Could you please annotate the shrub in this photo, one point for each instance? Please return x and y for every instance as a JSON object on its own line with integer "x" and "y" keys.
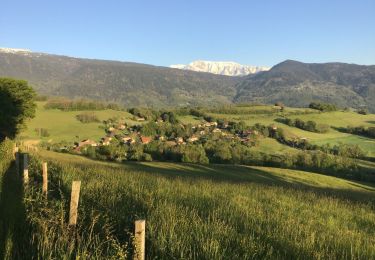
{"x": 87, "y": 118}
{"x": 362, "y": 111}
{"x": 42, "y": 132}
{"x": 326, "y": 107}
{"x": 310, "y": 125}
{"x": 82, "y": 104}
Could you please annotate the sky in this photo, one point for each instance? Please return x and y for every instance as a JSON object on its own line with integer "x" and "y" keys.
{"x": 173, "y": 32}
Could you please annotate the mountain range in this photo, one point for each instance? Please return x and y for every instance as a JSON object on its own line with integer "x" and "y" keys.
{"x": 132, "y": 84}
{"x": 227, "y": 68}
{"x": 296, "y": 84}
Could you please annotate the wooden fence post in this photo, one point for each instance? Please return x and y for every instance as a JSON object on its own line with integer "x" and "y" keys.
{"x": 45, "y": 179}
{"x": 25, "y": 168}
{"x": 140, "y": 240}
{"x": 15, "y": 151}
{"x": 74, "y": 198}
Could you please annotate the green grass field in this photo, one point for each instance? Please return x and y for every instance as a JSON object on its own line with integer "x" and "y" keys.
{"x": 64, "y": 126}
{"x": 192, "y": 211}
{"x": 333, "y": 119}
{"x": 216, "y": 211}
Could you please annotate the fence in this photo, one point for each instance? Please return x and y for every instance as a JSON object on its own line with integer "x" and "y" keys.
{"x": 139, "y": 225}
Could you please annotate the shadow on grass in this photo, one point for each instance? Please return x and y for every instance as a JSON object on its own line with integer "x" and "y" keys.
{"x": 230, "y": 174}
{"x": 237, "y": 174}
{"x": 14, "y": 239}
{"x": 128, "y": 207}
{"x": 247, "y": 174}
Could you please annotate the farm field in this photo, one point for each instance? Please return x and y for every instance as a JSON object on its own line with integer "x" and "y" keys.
{"x": 220, "y": 211}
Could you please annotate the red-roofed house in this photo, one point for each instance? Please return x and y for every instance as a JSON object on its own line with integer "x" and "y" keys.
{"x": 145, "y": 139}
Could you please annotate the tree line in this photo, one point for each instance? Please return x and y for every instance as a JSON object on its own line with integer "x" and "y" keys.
{"x": 81, "y": 104}
{"x": 310, "y": 125}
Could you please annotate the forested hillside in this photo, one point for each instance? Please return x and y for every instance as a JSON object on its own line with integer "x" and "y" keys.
{"x": 297, "y": 84}
{"x": 133, "y": 84}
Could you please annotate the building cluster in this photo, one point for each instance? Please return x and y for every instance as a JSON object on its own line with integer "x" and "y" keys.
{"x": 130, "y": 135}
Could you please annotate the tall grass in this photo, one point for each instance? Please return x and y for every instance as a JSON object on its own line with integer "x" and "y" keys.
{"x": 5, "y": 157}
{"x": 52, "y": 237}
{"x": 190, "y": 215}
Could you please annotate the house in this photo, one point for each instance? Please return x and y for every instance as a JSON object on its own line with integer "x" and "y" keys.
{"x": 208, "y": 124}
{"x": 224, "y": 125}
{"x": 216, "y": 130}
{"x": 121, "y": 127}
{"x": 179, "y": 140}
{"x": 106, "y": 140}
{"x": 145, "y": 139}
{"x": 161, "y": 138}
{"x": 128, "y": 140}
{"x": 274, "y": 127}
{"x": 111, "y": 129}
{"x": 192, "y": 139}
{"x": 108, "y": 137}
{"x": 141, "y": 119}
{"x": 87, "y": 142}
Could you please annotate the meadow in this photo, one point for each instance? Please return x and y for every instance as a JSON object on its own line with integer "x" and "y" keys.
{"x": 192, "y": 211}
{"x": 200, "y": 211}
{"x": 334, "y": 119}
{"x": 63, "y": 125}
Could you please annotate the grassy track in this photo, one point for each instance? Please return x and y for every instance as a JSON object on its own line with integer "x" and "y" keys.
{"x": 226, "y": 212}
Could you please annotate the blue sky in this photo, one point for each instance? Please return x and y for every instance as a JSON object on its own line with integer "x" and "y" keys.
{"x": 170, "y": 32}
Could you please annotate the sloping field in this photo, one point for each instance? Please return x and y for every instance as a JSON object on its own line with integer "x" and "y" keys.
{"x": 225, "y": 212}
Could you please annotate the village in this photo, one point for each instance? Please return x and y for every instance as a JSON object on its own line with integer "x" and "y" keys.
{"x": 120, "y": 132}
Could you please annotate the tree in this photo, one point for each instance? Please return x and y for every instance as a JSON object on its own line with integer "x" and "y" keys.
{"x": 16, "y": 106}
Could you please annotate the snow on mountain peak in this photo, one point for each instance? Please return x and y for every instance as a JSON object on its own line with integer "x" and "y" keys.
{"x": 228, "y": 68}
{"x": 12, "y": 50}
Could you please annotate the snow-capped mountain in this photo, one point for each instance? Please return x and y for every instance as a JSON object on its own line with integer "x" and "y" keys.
{"x": 24, "y": 52}
{"x": 227, "y": 68}
{"x": 12, "y": 50}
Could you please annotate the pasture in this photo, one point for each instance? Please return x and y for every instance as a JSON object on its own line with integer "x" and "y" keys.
{"x": 212, "y": 212}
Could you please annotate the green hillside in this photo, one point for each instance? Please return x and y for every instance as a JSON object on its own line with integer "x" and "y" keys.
{"x": 333, "y": 119}
{"x": 192, "y": 211}
{"x": 133, "y": 84}
{"x": 127, "y": 83}
{"x": 63, "y": 125}
{"x": 205, "y": 212}
{"x": 297, "y": 84}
